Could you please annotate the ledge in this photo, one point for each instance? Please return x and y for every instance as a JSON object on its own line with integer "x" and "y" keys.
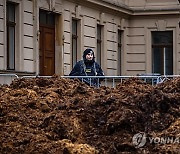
{"x": 19, "y": 73}
{"x": 126, "y": 10}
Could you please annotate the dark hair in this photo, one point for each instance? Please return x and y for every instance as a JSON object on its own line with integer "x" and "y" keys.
{"x": 88, "y": 50}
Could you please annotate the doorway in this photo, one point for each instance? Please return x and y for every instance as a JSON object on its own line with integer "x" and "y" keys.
{"x": 46, "y": 43}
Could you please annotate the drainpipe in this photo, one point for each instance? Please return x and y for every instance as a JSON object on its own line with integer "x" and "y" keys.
{"x": 36, "y": 37}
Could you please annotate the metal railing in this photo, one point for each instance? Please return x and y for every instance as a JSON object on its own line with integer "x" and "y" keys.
{"x": 110, "y": 81}
{"x": 7, "y": 78}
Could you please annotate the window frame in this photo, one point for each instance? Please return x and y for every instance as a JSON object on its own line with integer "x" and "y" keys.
{"x": 162, "y": 47}
{"x": 119, "y": 46}
{"x": 74, "y": 41}
{"x": 48, "y": 16}
{"x": 13, "y": 25}
{"x": 99, "y": 43}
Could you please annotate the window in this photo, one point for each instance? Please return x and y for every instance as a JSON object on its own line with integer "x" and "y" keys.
{"x": 99, "y": 43}
{"x": 162, "y": 52}
{"x": 11, "y": 36}
{"x": 46, "y": 18}
{"x": 119, "y": 51}
{"x": 74, "y": 41}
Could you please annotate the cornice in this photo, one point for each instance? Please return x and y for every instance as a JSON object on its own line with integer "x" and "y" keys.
{"x": 120, "y": 8}
{"x": 157, "y": 11}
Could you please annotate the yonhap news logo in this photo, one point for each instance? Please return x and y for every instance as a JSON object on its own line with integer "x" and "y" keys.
{"x": 140, "y": 139}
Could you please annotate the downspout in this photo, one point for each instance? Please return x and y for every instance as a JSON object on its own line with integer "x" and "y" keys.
{"x": 36, "y": 37}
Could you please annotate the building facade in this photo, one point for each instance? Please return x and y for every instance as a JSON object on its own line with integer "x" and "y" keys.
{"x": 46, "y": 37}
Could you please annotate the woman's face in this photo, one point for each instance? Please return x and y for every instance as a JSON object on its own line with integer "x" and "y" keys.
{"x": 89, "y": 56}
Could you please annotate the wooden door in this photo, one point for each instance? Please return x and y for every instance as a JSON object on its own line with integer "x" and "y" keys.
{"x": 46, "y": 51}
{"x": 46, "y": 43}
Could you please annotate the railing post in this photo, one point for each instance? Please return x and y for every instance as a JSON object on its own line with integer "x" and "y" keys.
{"x": 113, "y": 83}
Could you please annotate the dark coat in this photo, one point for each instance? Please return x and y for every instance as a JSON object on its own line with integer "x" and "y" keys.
{"x": 88, "y": 69}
